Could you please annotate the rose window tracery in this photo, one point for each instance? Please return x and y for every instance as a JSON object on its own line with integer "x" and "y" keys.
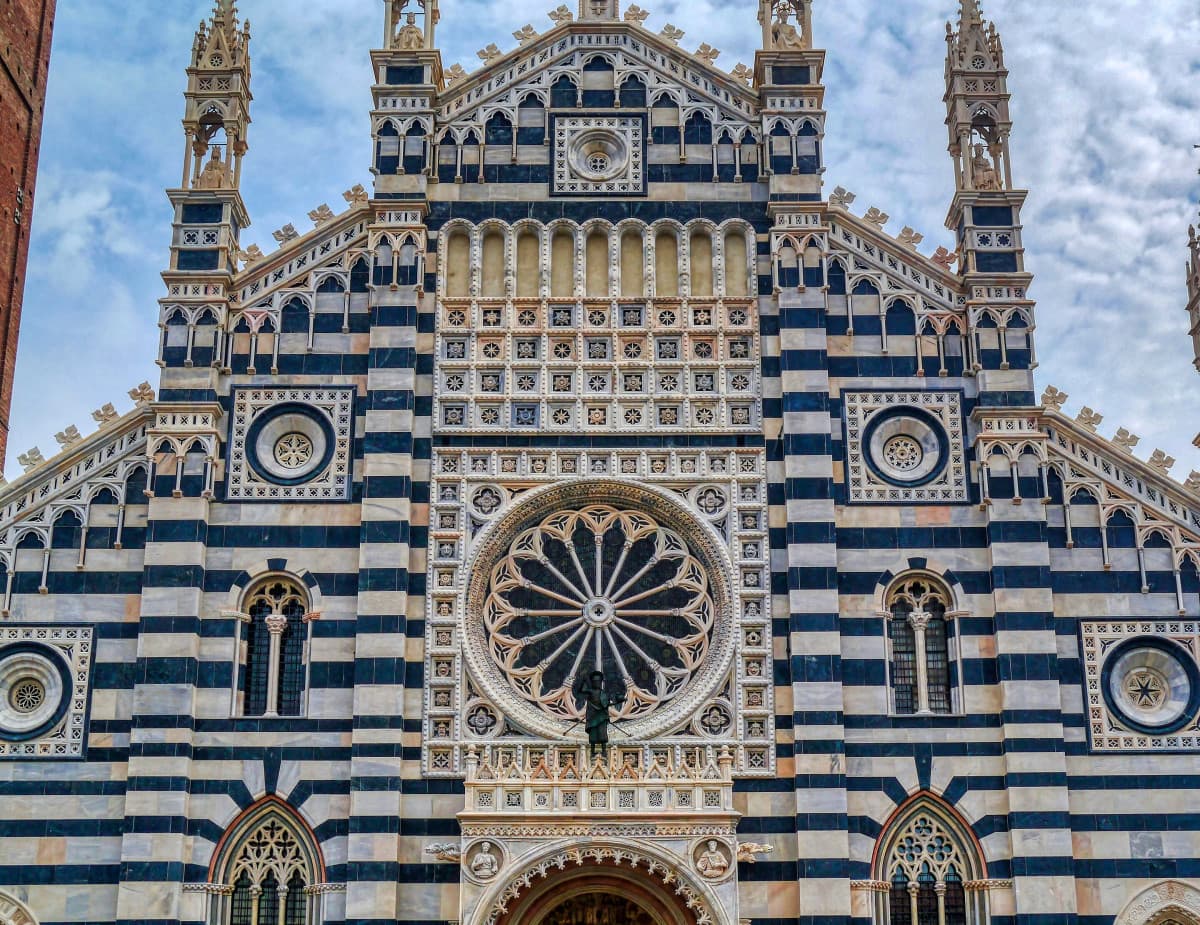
{"x": 601, "y": 588}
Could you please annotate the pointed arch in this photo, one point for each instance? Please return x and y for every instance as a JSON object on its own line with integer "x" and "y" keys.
{"x": 927, "y": 854}
{"x": 271, "y": 858}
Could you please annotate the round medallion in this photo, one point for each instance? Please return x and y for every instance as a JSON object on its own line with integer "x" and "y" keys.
{"x": 903, "y": 453}
{"x": 26, "y": 696}
{"x": 598, "y": 155}
{"x": 34, "y": 689}
{"x": 290, "y": 444}
{"x": 905, "y": 447}
{"x": 570, "y": 588}
{"x": 1151, "y": 685}
{"x": 293, "y": 451}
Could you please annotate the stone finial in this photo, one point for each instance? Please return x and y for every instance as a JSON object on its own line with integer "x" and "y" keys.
{"x": 448, "y": 852}
{"x": 841, "y": 198}
{"x": 68, "y": 437}
{"x": 1125, "y": 440}
{"x": 455, "y": 74}
{"x": 251, "y": 255}
{"x": 31, "y": 460}
{"x": 910, "y": 238}
{"x": 142, "y": 394}
{"x": 526, "y": 34}
{"x": 742, "y": 72}
{"x": 876, "y": 217}
{"x": 635, "y": 14}
{"x": 944, "y": 258}
{"x": 671, "y": 34}
{"x": 1088, "y": 419}
{"x": 707, "y": 53}
{"x": 1193, "y": 481}
{"x": 1161, "y": 462}
{"x": 356, "y": 195}
{"x": 321, "y": 215}
{"x": 1053, "y": 399}
{"x": 105, "y": 414}
{"x": 561, "y": 15}
{"x": 489, "y": 54}
{"x": 286, "y": 233}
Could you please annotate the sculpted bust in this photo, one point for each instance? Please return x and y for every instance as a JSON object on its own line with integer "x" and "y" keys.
{"x": 484, "y": 865}
{"x": 712, "y": 863}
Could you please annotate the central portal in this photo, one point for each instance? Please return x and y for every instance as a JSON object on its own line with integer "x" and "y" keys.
{"x": 593, "y": 896}
{"x": 598, "y": 909}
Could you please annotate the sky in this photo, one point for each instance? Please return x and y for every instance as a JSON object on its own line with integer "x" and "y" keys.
{"x": 1106, "y": 109}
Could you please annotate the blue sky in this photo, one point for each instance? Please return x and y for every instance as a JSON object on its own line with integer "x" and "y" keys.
{"x": 1107, "y": 109}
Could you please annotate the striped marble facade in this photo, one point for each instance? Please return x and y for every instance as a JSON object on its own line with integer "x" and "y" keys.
{"x": 837, "y": 412}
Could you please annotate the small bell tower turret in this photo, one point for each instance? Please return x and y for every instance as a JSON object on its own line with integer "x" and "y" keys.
{"x": 985, "y": 214}
{"x": 209, "y": 213}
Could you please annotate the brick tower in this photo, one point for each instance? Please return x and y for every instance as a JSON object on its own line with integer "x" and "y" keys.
{"x": 25, "y": 30}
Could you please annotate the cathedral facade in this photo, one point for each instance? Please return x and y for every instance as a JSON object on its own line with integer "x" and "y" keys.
{"x": 599, "y": 522}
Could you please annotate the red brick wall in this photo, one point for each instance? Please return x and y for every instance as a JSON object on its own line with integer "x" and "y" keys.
{"x": 25, "y": 30}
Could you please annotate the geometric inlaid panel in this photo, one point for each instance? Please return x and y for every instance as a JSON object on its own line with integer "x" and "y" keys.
{"x": 1142, "y": 683}
{"x": 905, "y": 447}
{"x": 291, "y": 444}
{"x": 44, "y": 690}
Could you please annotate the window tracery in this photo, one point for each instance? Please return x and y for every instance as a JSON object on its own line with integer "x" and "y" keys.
{"x": 599, "y": 589}
{"x": 919, "y": 635}
{"x": 932, "y": 871}
{"x": 269, "y": 874}
{"x": 276, "y": 632}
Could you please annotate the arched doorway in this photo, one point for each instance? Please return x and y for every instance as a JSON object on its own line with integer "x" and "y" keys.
{"x": 599, "y": 895}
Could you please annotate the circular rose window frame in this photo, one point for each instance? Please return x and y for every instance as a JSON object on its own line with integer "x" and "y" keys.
{"x": 705, "y": 544}
{"x": 598, "y": 141}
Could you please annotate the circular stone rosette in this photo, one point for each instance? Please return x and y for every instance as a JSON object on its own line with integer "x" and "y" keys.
{"x": 905, "y": 447}
{"x": 1151, "y": 685}
{"x": 598, "y": 155}
{"x": 290, "y": 444}
{"x": 35, "y": 687}
{"x": 599, "y": 575}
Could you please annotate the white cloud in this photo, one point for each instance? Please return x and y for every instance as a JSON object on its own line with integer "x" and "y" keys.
{"x": 1105, "y": 109}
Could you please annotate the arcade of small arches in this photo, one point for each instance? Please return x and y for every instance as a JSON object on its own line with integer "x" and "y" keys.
{"x": 869, "y": 304}
{"x": 630, "y": 260}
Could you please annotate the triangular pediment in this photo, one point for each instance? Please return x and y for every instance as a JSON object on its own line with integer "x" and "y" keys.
{"x": 661, "y": 64}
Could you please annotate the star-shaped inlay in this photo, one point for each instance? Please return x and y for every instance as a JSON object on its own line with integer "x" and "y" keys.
{"x": 1145, "y": 689}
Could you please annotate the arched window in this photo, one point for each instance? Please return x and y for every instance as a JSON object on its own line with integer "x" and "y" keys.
{"x": 919, "y": 635}
{"x": 273, "y": 678}
{"x": 927, "y": 856}
{"x": 270, "y": 861}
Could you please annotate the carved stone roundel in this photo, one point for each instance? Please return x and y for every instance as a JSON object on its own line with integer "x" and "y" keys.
{"x": 605, "y": 577}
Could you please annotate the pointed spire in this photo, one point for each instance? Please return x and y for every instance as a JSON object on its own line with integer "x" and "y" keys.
{"x": 969, "y": 14}
{"x": 598, "y": 10}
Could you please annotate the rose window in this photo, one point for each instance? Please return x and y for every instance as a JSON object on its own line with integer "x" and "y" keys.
{"x": 903, "y": 453}
{"x": 598, "y": 589}
{"x": 293, "y": 451}
{"x": 26, "y": 696}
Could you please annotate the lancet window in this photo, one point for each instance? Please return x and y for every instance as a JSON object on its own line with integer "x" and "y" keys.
{"x": 267, "y": 873}
{"x": 920, "y": 633}
{"x": 932, "y": 870}
{"x": 274, "y": 636}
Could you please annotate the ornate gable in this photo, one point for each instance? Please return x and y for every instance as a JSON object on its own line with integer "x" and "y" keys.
{"x": 691, "y": 82}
